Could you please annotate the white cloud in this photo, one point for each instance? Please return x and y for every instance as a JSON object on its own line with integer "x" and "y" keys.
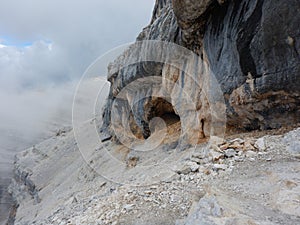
{"x": 79, "y": 31}
{"x": 65, "y": 36}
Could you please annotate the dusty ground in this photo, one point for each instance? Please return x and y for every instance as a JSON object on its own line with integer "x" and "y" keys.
{"x": 249, "y": 180}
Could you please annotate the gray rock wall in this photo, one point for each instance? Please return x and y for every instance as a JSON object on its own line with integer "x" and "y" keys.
{"x": 253, "y": 51}
{"x": 251, "y": 46}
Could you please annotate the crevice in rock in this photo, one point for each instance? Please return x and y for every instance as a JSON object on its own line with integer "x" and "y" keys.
{"x": 245, "y": 36}
{"x": 202, "y": 128}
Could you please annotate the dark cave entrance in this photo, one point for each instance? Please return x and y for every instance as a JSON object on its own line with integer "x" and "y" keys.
{"x": 161, "y": 108}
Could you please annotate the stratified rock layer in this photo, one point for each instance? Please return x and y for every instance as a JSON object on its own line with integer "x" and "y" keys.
{"x": 251, "y": 47}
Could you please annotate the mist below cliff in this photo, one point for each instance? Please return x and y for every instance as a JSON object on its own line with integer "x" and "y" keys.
{"x": 27, "y": 118}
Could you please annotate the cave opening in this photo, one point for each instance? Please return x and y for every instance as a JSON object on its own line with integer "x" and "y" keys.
{"x": 156, "y": 112}
{"x": 163, "y": 109}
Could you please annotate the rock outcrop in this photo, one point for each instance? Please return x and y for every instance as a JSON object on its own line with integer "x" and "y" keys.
{"x": 251, "y": 47}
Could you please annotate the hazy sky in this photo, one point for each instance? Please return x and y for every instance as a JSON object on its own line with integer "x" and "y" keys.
{"x": 55, "y": 40}
{"x": 44, "y": 44}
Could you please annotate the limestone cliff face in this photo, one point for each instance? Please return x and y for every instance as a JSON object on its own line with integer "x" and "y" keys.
{"x": 251, "y": 46}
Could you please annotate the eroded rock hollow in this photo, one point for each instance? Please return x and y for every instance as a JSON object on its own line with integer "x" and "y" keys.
{"x": 251, "y": 46}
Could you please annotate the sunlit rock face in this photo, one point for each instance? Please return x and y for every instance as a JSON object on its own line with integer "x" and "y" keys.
{"x": 251, "y": 47}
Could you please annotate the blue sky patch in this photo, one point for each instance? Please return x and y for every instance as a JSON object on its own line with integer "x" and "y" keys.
{"x": 14, "y": 42}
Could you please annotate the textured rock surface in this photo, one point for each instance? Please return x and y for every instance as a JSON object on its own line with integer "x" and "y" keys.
{"x": 252, "y": 47}
{"x": 53, "y": 185}
{"x": 258, "y": 67}
{"x": 293, "y": 146}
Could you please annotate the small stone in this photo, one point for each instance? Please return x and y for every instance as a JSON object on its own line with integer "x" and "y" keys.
{"x": 250, "y": 154}
{"x": 148, "y": 192}
{"x": 128, "y": 207}
{"x": 199, "y": 155}
{"x": 216, "y": 155}
{"x": 175, "y": 198}
{"x": 260, "y": 144}
{"x": 196, "y": 160}
{"x": 237, "y": 140}
{"x": 261, "y": 153}
{"x": 193, "y": 166}
{"x": 238, "y": 159}
{"x": 184, "y": 170}
{"x": 132, "y": 160}
{"x": 236, "y": 145}
{"x": 290, "y": 41}
{"x": 269, "y": 159}
{"x": 206, "y": 171}
{"x": 163, "y": 206}
{"x": 224, "y": 146}
{"x": 230, "y": 153}
{"x": 248, "y": 145}
{"x": 218, "y": 167}
{"x": 215, "y": 148}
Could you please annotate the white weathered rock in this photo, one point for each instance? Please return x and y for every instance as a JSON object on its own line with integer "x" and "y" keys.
{"x": 193, "y": 166}
{"x": 128, "y": 207}
{"x": 237, "y": 140}
{"x": 218, "y": 167}
{"x": 230, "y": 152}
{"x": 238, "y": 159}
{"x": 251, "y": 154}
{"x": 260, "y": 144}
